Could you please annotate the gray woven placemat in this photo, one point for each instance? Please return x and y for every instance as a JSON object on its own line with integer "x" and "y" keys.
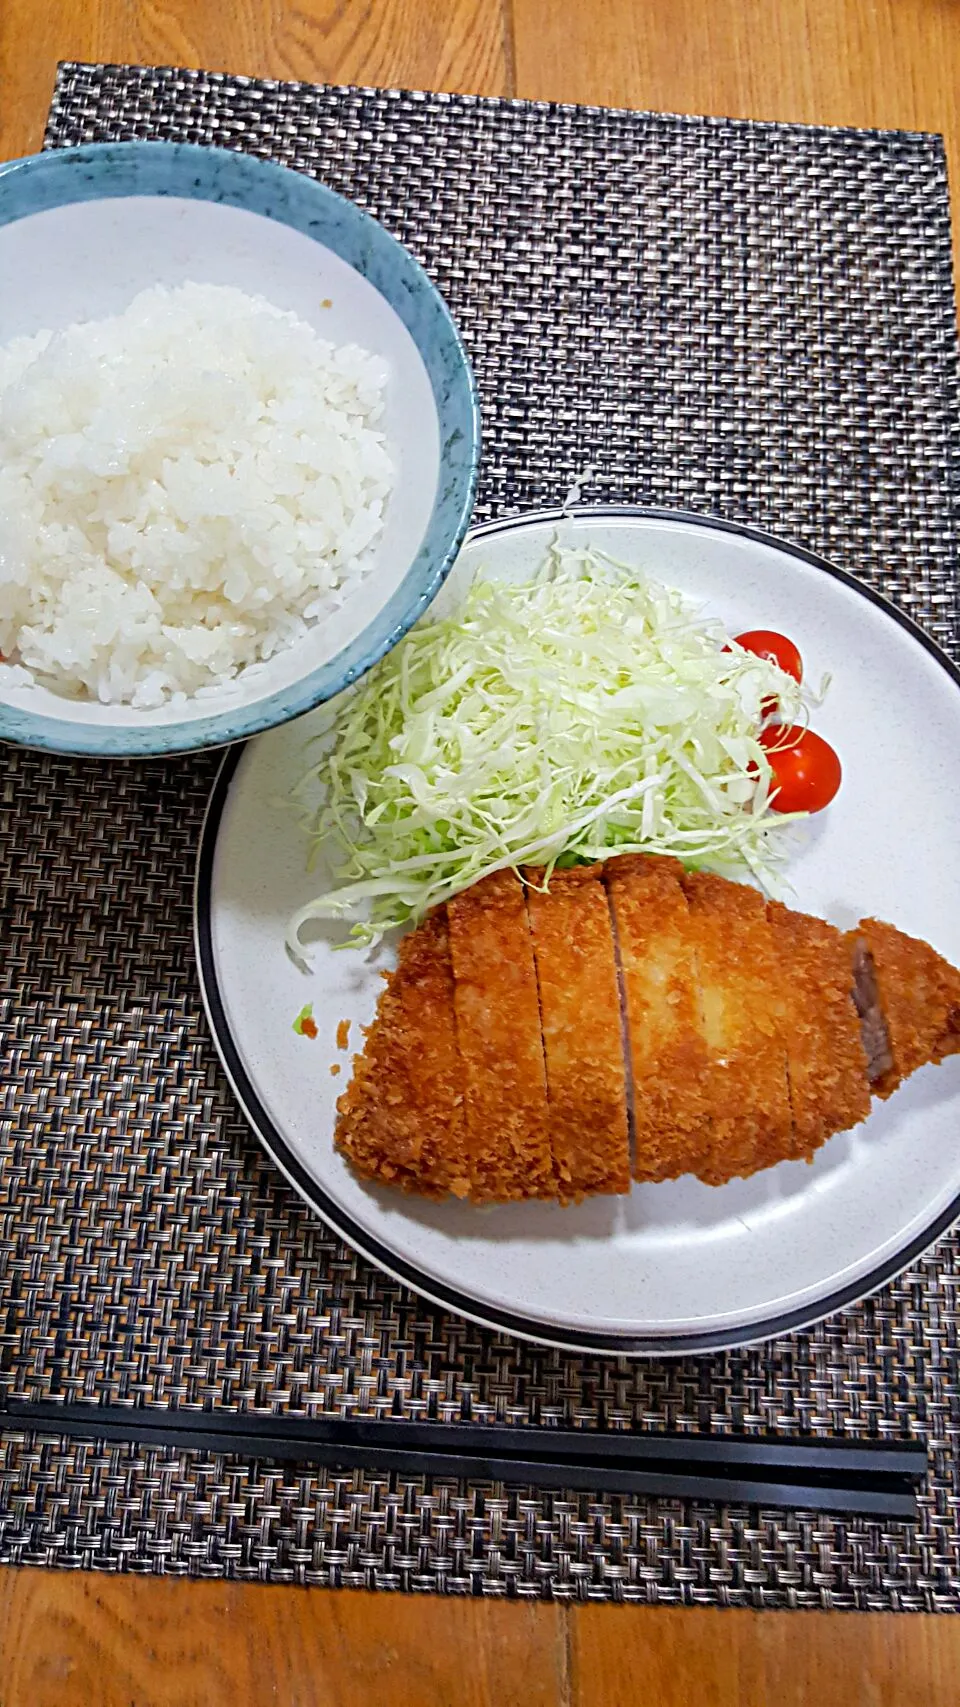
{"x": 753, "y": 320}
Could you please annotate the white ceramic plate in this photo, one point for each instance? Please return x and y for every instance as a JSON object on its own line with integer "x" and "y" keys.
{"x": 679, "y": 1266}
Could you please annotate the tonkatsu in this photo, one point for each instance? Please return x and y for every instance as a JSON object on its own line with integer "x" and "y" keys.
{"x": 664, "y": 1040}
{"x": 556, "y": 1039}
{"x": 580, "y": 1019}
{"x": 497, "y": 1016}
{"x": 401, "y": 1118}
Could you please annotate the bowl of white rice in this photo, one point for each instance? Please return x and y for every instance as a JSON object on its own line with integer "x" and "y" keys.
{"x": 239, "y": 442}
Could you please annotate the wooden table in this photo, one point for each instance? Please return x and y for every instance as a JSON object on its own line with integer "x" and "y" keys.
{"x": 96, "y": 1641}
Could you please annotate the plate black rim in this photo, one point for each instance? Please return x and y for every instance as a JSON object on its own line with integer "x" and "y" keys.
{"x": 448, "y": 1297}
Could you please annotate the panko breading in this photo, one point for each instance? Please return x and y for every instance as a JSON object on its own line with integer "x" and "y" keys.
{"x": 826, "y": 1060}
{"x": 919, "y": 994}
{"x": 580, "y": 1015}
{"x": 746, "y": 1077}
{"x": 401, "y": 1117}
{"x": 522, "y": 1031}
{"x": 667, "y": 1048}
{"x": 501, "y": 1046}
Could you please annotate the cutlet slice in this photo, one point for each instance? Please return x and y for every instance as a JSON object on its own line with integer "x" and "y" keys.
{"x": 826, "y": 1060}
{"x": 916, "y": 992}
{"x": 401, "y": 1118}
{"x": 747, "y": 1066}
{"x": 666, "y": 1048}
{"x": 580, "y": 1015}
{"x": 498, "y": 1027}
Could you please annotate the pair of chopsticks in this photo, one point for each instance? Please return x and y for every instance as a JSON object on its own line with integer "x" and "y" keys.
{"x": 866, "y": 1478}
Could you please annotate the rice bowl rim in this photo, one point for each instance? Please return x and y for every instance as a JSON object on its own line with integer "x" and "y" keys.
{"x": 191, "y": 171}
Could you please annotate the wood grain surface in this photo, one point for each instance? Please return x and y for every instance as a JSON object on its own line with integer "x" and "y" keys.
{"x": 87, "y": 1641}
{"x": 460, "y": 45}
{"x": 72, "y": 1640}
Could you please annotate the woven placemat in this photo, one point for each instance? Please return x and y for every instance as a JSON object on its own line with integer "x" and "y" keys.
{"x": 752, "y": 320}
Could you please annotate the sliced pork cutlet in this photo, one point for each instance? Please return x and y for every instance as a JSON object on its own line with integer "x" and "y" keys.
{"x": 909, "y": 999}
{"x": 580, "y": 1016}
{"x": 665, "y": 1043}
{"x": 826, "y": 1060}
{"x": 746, "y": 1077}
{"x": 501, "y": 1047}
{"x": 401, "y": 1118}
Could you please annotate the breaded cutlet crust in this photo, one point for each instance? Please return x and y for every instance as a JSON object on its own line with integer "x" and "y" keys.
{"x": 498, "y": 1027}
{"x": 668, "y": 1056}
{"x": 920, "y": 996}
{"x": 580, "y": 1015}
{"x": 401, "y": 1118}
{"x": 727, "y": 1000}
{"x": 826, "y": 1060}
{"x": 747, "y": 1072}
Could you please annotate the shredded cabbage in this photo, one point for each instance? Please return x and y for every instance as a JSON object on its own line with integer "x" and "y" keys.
{"x": 589, "y": 712}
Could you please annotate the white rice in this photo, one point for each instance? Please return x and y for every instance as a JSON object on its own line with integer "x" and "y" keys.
{"x": 184, "y": 488}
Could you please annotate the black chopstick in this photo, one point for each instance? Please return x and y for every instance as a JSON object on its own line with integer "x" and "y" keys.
{"x": 869, "y": 1478}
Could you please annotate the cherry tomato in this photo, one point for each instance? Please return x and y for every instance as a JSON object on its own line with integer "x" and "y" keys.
{"x": 776, "y": 648}
{"x": 806, "y": 770}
